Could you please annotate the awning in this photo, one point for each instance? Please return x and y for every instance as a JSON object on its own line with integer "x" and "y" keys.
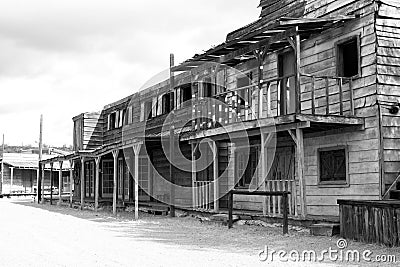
{"x": 273, "y": 34}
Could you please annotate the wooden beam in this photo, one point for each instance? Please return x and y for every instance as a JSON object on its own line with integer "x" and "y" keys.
{"x": 71, "y": 182}
{"x": 60, "y": 183}
{"x": 42, "y": 185}
{"x": 115, "y": 188}
{"x": 264, "y": 170}
{"x": 298, "y": 71}
{"x": 82, "y": 182}
{"x": 51, "y": 183}
{"x": 293, "y": 136}
{"x": 97, "y": 184}
{"x": 194, "y": 174}
{"x": 136, "y": 150}
{"x": 11, "y": 178}
{"x": 171, "y": 140}
{"x": 216, "y": 176}
{"x": 300, "y": 171}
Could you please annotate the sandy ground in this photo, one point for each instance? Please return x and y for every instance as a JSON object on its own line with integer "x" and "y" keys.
{"x": 44, "y": 235}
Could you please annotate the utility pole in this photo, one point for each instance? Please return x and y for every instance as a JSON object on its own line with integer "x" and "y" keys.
{"x": 2, "y": 167}
{"x": 40, "y": 173}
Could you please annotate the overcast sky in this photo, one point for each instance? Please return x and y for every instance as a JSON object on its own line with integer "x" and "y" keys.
{"x": 62, "y": 58}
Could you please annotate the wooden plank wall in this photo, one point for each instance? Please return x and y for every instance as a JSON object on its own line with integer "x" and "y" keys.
{"x": 388, "y": 70}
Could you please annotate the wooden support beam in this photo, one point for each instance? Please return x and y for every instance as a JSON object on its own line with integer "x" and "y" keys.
{"x": 97, "y": 184}
{"x": 82, "y": 182}
{"x": 115, "y": 183}
{"x": 194, "y": 174}
{"x": 38, "y": 183}
{"x": 51, "y": 183}
{"x": 11, "y": 179}
{"x": 264, "y": 170}
{"x": 300, "y": 171}
{"x": 136, "y": 150}
{"x": 216, "y": 176}
{"x": 298, "y": 71}
{"x": 60, "y": 183}
{"x": 71, "y": 182}
{"x": 42, "y": 185}
{"x": 171, "y": 141}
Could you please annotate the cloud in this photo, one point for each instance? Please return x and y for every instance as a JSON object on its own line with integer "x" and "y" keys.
{"x": 62, "y": 58}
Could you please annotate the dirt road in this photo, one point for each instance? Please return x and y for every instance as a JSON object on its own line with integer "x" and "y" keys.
{"x": 33, "y": 235}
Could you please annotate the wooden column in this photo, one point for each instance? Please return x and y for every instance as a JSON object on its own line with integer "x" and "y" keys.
{"x": 298, "y": 88}
{"x": 194, "y": 174}
{"x": 115, "y": 193}
{"x": 60, "y": 183}
{"x": 216, "y": 176}
{"x": 11, "y": 178}
{"x": 300, "y": 170}
{"x": 42, "y": 185}
{"x": 263, "y": 171}
{"x": 171, "y": 140}
{"x": 299, "y": 140}
{"x": 71, "y": 182}
{"x": 38, "y": 180}
{"x": 136, "y": 150}
{"x": 97, "y": 184}
{"x": 82, "y": 182}
{"x": 51, "y": 183}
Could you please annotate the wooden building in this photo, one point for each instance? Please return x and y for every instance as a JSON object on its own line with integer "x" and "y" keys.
{"x": 21, "y": 170}
{"x": 316, "y": 80}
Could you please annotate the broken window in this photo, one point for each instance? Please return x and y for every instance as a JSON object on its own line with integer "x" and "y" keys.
{"x": 166, "y": 100}
{"x": 348, "y": 57}
{"x": 332, "y": 165}
{"x": 247, "y": 162}
{"x": 111, "y": 121}
{"x": 207, "y": 87}
{"x": 186, "y": 94}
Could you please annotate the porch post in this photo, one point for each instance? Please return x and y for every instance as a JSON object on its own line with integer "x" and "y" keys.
{"x": 194, "y": 172}
{"x": 82, "y": 182}
{"x": 97, "y": 185}
{"x": 136, "y": 150}
{"x": 263, "y": 172}
{"x": 71, "y": 181}
{"x": 216, "y": 182}
{"x": 42, "y": 185}
{"x": 51, "y": 183}
{"x": 115, "y": 156}
{"x": 11, "y": 179}
{"x": 298, "y": 89}
{"x": 60, "y": 183}
{"x": 300, "y": 170}
{"x": 38, "y": 183}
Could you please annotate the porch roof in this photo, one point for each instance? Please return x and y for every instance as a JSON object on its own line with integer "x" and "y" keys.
{"x": 310, "y": 123}
{"x": 272, "y": 35}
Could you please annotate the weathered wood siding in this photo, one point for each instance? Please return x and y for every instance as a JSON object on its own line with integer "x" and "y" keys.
{"x": 88, "y": 131}
{"x": 388, "y": 77}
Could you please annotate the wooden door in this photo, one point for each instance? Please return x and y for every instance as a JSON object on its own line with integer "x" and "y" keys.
{"x": 286, "y": 67}
{"x": 283, "y": 166}
{"x": 144, "y": 179}
{"x": 120, "y": 178}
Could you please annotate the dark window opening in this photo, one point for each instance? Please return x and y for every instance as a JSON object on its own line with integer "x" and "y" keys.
{"x": 207, "y": 87}
{"x": 112, "y": 120}
{"x": 332, "y": 165}
{"x": 348, "y": 58}
{"x": 186, "y": 94}
{"x": 166, "y": 100}
{"x": 148, "y": 111}
{"x": 247, "y": 165}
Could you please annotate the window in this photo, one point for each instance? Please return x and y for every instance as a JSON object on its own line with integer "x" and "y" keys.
{"x": 246, "y": 170}
{"x": 112, "y": 121}
{"x": 186, "y": 93}
{"x": 166, "y": 102}
{"x": 108, "y": 178}
{"x": 242, "y": 82}
{"x": 348, "y": 57}
{"x": 146, "y": 111}
{"x": 332, "y": 165}
{"x": 89, "y": 178}
{"x": 207, "y": 87}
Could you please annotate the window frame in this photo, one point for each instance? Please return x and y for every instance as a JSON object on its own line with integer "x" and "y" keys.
{"x": 339, "y": 63}
{"x": 341, "y": 183}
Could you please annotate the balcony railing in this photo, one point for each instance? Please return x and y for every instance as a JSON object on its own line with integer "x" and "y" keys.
{"x": 319, "y": 95}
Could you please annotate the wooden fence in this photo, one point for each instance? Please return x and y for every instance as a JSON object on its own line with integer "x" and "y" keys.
{"x": 203, "y": 197}
{"x": 370, "y": 221}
